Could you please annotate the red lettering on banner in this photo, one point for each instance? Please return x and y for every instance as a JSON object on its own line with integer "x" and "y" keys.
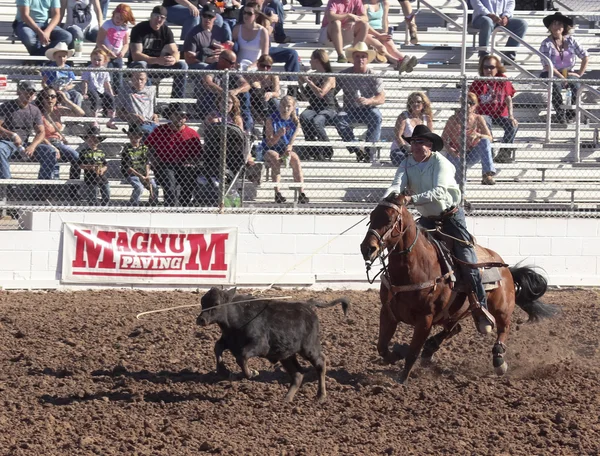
{"x": 151, "y": 263}
{"x": 158, "y": 243}
{"x": 139, "y": 242}
{"x": 86, "y": 245}
{"x": 199, "y": 249}
{"x": 173, "y": 242}
{"x": 123, "y": 242}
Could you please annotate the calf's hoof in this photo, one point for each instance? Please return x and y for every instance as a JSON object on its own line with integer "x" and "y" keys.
{"x": 501, "y": 369}
{"x": 321, "y": 397}
{"x": 253, "y": 373}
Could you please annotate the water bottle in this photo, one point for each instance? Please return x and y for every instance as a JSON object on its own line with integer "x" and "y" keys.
{"x": 569, "y": 96}
{"x": 78, "y": 46}
{"x": 391, "y": 30}
{"x": 286, "y": 160}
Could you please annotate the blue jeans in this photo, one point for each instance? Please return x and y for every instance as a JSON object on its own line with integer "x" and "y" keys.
{"x": 138, "y": 189}
{"x": 456, "y": 226}
{"x": 104, "y": 6}
{"x": 30, "y": 39}
{"x": 179, "y": 79}
{"x": 557, "y": 99}
{"x": 89, "y": 189}
{"x": 313, "y": 124}
{"x": 75, "y": 97}
{"x": 43, "y": 153}
{"x": 180, "y": 15}
{"x": 89, "y": 35}
{"x": 278, "y": 32}
{"x": 368, "y": 115}
{"x": 117, "y": 78}
{"x": 510, "y": 131}
{"x": 486, "y": 25}
{"x": 482, "y": 152}
{"x": 287, "y": 56}
{"x": 67, "y": 153}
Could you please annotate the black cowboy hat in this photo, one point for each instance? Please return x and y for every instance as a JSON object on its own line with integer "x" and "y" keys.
{"x": 179, "y": 108}
{"x": 93, "y": 130}
{"x": 134, "y": 129}
{"x": 558, "y": 17}
{"x": 422, "y": 131}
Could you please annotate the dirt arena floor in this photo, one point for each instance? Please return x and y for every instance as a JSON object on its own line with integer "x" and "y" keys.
{"x": 79, "y": 375}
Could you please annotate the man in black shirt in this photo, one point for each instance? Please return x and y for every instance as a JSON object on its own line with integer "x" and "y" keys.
{"x": 153, "y": 46}
{"x": 19, "y": 121}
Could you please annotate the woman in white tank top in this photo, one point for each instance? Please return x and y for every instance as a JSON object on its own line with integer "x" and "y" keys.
{"x": 418, "y": 112}
{"x": 252, "y": 39}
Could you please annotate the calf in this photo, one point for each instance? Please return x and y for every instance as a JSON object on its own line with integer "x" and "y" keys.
{"x": 271, "y": 329}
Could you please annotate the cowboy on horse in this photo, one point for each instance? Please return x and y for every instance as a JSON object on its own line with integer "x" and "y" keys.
{"x": 426, "y": 178}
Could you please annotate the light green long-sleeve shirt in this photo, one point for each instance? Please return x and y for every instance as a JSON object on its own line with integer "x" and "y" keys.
{"x": 432, "y": 186}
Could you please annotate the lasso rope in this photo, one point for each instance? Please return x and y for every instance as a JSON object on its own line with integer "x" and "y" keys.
{"x": 216, "y": 307}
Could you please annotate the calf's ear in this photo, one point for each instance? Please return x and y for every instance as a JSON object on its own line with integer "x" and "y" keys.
{"x": 231, "y": 293}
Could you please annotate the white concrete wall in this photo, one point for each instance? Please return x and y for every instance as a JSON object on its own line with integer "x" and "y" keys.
{"x": 270, "y": 245}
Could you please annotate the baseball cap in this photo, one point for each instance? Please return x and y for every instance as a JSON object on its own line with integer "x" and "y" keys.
{"x": 26, "y": 86}
{"x": 210, "y": 10}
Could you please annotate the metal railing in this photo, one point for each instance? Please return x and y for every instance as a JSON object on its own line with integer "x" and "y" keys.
{"x": 578, "y": 112}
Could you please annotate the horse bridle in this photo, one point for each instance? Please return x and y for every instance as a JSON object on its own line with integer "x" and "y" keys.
{"x": 382, "y": 240}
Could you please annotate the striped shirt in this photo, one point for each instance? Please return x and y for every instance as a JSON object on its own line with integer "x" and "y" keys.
{"x": 571, "y": 49}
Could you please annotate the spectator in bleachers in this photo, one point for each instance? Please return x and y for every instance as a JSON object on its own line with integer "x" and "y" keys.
{"x": 184, "y": 13}
{"x": 214, "y": 84}
{"x": 562, "y": 49}
{"x": 281, "y": 130}
{"x": 495, "y": 102}
{"x": 136, "y": 103}
{"x": 175, "y": 151}
{"x": 234, "y": 114}
{"x": 361, "y": 98}
{"x": 409, "y": 19}
{"x": 418, "y": 112}
{"x": 37, "y": 25}
{"x": 62, "y": 78}
{"x": 205, "y": 42}
{"x": 287, "y": 56}
{"x": 479, "y": 142}
{"x": 82, "y": 19}
{"x": 345, "y": 22}
{"x": 322, "y": 106}
{"x": 273, "y": 10}
{"x": 264, "y": 90}
{"x": 53, "y": 105}
{"x": 153, "y": 46}
{"x": 489, "y": 14}
{"x": 135, "y": 167}
{"x": 113, "y": 37}
{"x": 381, "y": 40}
{"x": 19, "y": 120}
{"x": 97, "y": 88}
{"x": 92, "y": 160}
{"x": 252, "y": 39}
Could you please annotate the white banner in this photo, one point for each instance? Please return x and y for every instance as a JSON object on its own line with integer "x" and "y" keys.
{"x": 129, "y": 255}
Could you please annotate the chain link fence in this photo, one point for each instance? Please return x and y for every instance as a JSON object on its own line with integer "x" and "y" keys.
{"x": 168, "y": 140}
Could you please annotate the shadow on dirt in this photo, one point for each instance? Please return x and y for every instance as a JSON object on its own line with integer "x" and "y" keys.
{"x": 123, "y": 396}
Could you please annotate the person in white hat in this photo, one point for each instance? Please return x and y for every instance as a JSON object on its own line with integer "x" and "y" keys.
{"x": 62, "y": 78}
{"x": 362, "y": 95}
{"x": 37, "y": 25}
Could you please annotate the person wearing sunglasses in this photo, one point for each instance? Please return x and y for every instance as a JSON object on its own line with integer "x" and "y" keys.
{"x": 252, "y": 39}
{"x": 175, "y": 150}
{"x": 207, "y": 40}
{"x": 495, "y": 102}
{"x": 418, "y": 112}
{"x": 479, "y": 142}
{"x": 264, "y": 90}
{"x": 273, "y": 10}
{"x": 427, "y": 179}
{"x": 153, "y": 46}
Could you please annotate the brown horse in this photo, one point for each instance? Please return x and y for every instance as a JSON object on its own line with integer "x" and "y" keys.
{"x": 414, "y": 289}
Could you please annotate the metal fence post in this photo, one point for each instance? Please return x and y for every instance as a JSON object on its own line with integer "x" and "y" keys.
{"x": 223, "y": 154}
{"x": 464, "y": 92}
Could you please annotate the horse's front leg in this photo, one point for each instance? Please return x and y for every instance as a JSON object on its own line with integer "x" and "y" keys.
{"x": 420, "y": 335}
{"x": 387, "y": 328}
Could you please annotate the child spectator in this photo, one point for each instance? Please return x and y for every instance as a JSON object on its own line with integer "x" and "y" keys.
{"x": 113, "y": 37}
{"x": 97, "y": 88}
{"x": 135, "y": 166}
{"x": 418, "y": 112}
{"x": 281, "y": 130}
{"x": 62, "y": 78}
{"x": 94, "y": 165}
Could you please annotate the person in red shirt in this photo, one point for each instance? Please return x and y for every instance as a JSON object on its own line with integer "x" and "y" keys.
{"x": 495, "y": 98}
{"x": 175, "y": 150}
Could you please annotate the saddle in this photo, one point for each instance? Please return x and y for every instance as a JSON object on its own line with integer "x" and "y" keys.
{"x": 488, "y": 267}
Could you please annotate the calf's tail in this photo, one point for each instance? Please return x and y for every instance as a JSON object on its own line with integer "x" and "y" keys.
{"x": 322, "y": 305}
{"x": 529, "y": 288}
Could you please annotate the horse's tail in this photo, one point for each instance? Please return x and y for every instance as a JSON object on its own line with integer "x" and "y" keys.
{"x": 529, "y": 288}
{"x": 322, "y": 305}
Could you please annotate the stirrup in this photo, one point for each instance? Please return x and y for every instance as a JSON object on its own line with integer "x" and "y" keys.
{"x": 485, "y": 320}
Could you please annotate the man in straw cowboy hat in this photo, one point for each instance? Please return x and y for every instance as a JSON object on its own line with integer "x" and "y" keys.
{"x": 562, "y": 49}
{"x": 427, "y": 179}
{"x": 62, "y": 77}
{"x": 362, "y": 95}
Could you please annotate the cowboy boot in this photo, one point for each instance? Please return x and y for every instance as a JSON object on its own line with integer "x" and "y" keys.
{"x": 485, "y": 320}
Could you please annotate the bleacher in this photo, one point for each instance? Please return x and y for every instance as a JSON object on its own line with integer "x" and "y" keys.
{"x": 545, "y": 174}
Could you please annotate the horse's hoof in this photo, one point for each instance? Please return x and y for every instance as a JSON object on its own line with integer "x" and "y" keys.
{"x": 402, "y": 379}
{"x": 426, "y": 360}
{"x": 253, "y": 373}
{"x": 501, "y": 369}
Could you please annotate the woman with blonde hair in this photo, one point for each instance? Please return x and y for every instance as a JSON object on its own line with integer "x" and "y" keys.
{"x": 479, "y": 142}
{"x": 418, "y": 112}
{"x": 264, "y": 89}
{"x": 281, "y": 130}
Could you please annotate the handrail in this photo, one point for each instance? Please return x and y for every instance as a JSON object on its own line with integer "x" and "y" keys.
{"x": 463, "y": 52}
{"x": 535, "y": 51}
{"x": 578, "y": 111}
